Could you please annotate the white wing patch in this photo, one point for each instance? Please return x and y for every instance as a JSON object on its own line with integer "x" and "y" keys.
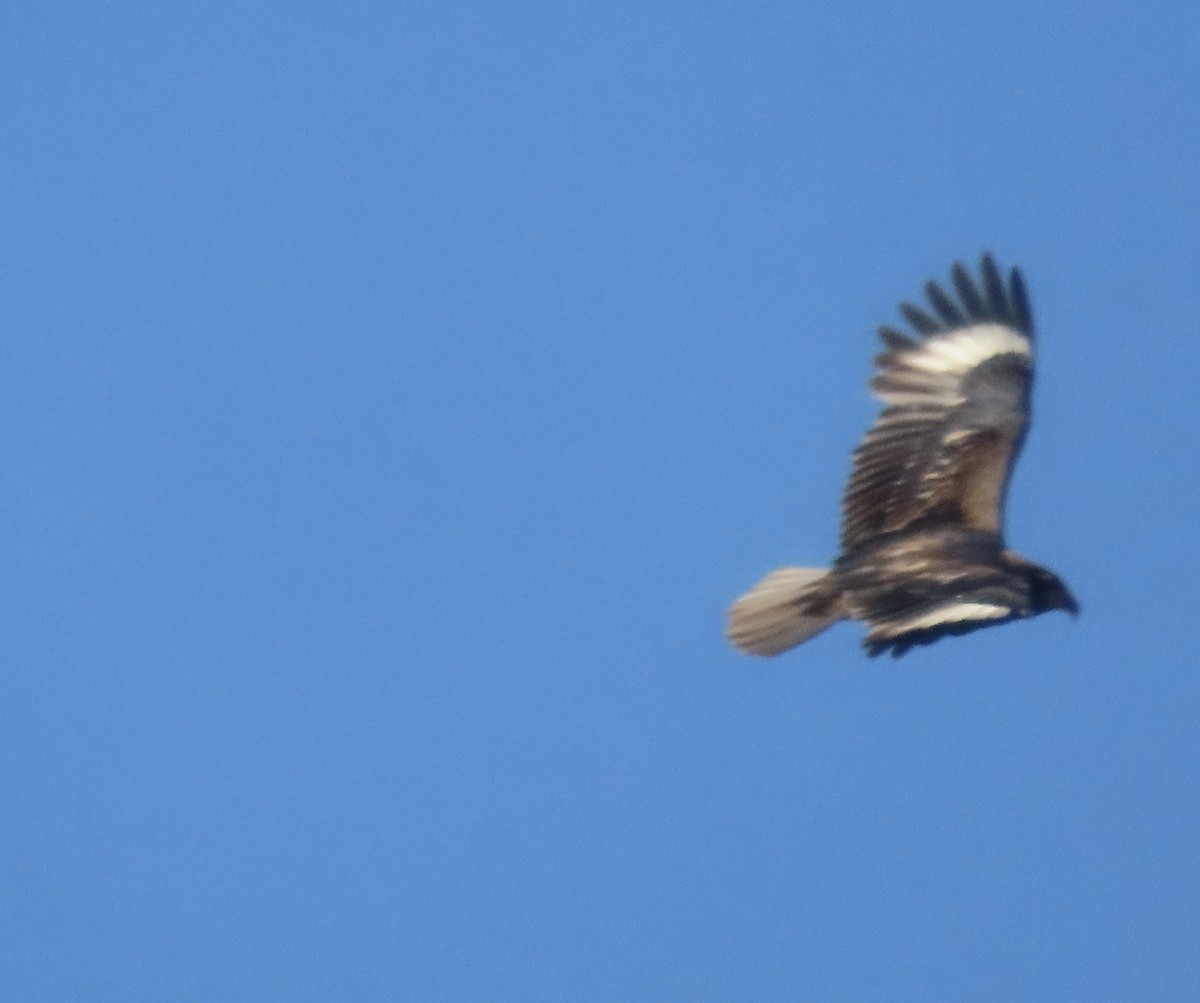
{"x": 955, "y": 612}
{"x": 931, "y": 373}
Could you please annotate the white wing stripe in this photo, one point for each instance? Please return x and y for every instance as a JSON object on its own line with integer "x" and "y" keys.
{"x": 969, "y": 346}
{"x": 946, "y": 613}
{"x": 931, "y": 373}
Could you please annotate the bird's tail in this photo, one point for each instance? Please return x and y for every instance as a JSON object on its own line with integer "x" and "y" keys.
{"x": 786, "y": 608}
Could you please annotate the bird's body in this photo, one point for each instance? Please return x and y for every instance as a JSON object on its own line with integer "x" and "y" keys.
{"x": 923, "y": 552}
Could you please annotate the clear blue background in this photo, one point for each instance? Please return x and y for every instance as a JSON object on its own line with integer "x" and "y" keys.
{"x": 395, "y": 395}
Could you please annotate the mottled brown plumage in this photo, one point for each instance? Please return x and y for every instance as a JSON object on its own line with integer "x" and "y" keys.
{"x": 923, "y": 552}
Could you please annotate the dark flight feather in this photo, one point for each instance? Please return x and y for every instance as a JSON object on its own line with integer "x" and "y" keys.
{"x": 919, "y": 319}
{"x": 944, "y": 305}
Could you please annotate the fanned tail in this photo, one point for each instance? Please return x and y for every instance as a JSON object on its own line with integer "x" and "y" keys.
{"x": 785, "y": 609}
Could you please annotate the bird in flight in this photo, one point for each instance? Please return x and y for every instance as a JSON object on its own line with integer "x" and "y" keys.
{"x": 922, "y": 542}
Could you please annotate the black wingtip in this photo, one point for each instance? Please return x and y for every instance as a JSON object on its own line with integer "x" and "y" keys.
{"x": 893, "y": 646}
{"x": 993, "y": 285}
{"x": 993, "y": 297}
{"x": 919, "y": 319}
{"x": 1019, "y": 295}
{"x": 964, "y": 285}
{"x": 945, "y": 307}
{"x": 895, "y": 340}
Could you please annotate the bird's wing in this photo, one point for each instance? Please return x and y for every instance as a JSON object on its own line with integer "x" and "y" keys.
{"x": 956, "y": 392}
{"x": 955, "y": 599}
{"x": 919, "y": 586}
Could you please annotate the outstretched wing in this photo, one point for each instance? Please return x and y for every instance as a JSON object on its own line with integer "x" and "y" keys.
{"x": 956, "y": 392}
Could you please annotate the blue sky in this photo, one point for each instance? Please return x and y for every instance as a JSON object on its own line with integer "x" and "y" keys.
{"x": 394, "y": 397}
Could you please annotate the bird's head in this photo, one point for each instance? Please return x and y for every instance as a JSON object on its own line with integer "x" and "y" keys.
{"x": 1048, "y": 592}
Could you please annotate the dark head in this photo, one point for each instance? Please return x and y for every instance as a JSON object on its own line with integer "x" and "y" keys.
{"x": 1047, "y": 591}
